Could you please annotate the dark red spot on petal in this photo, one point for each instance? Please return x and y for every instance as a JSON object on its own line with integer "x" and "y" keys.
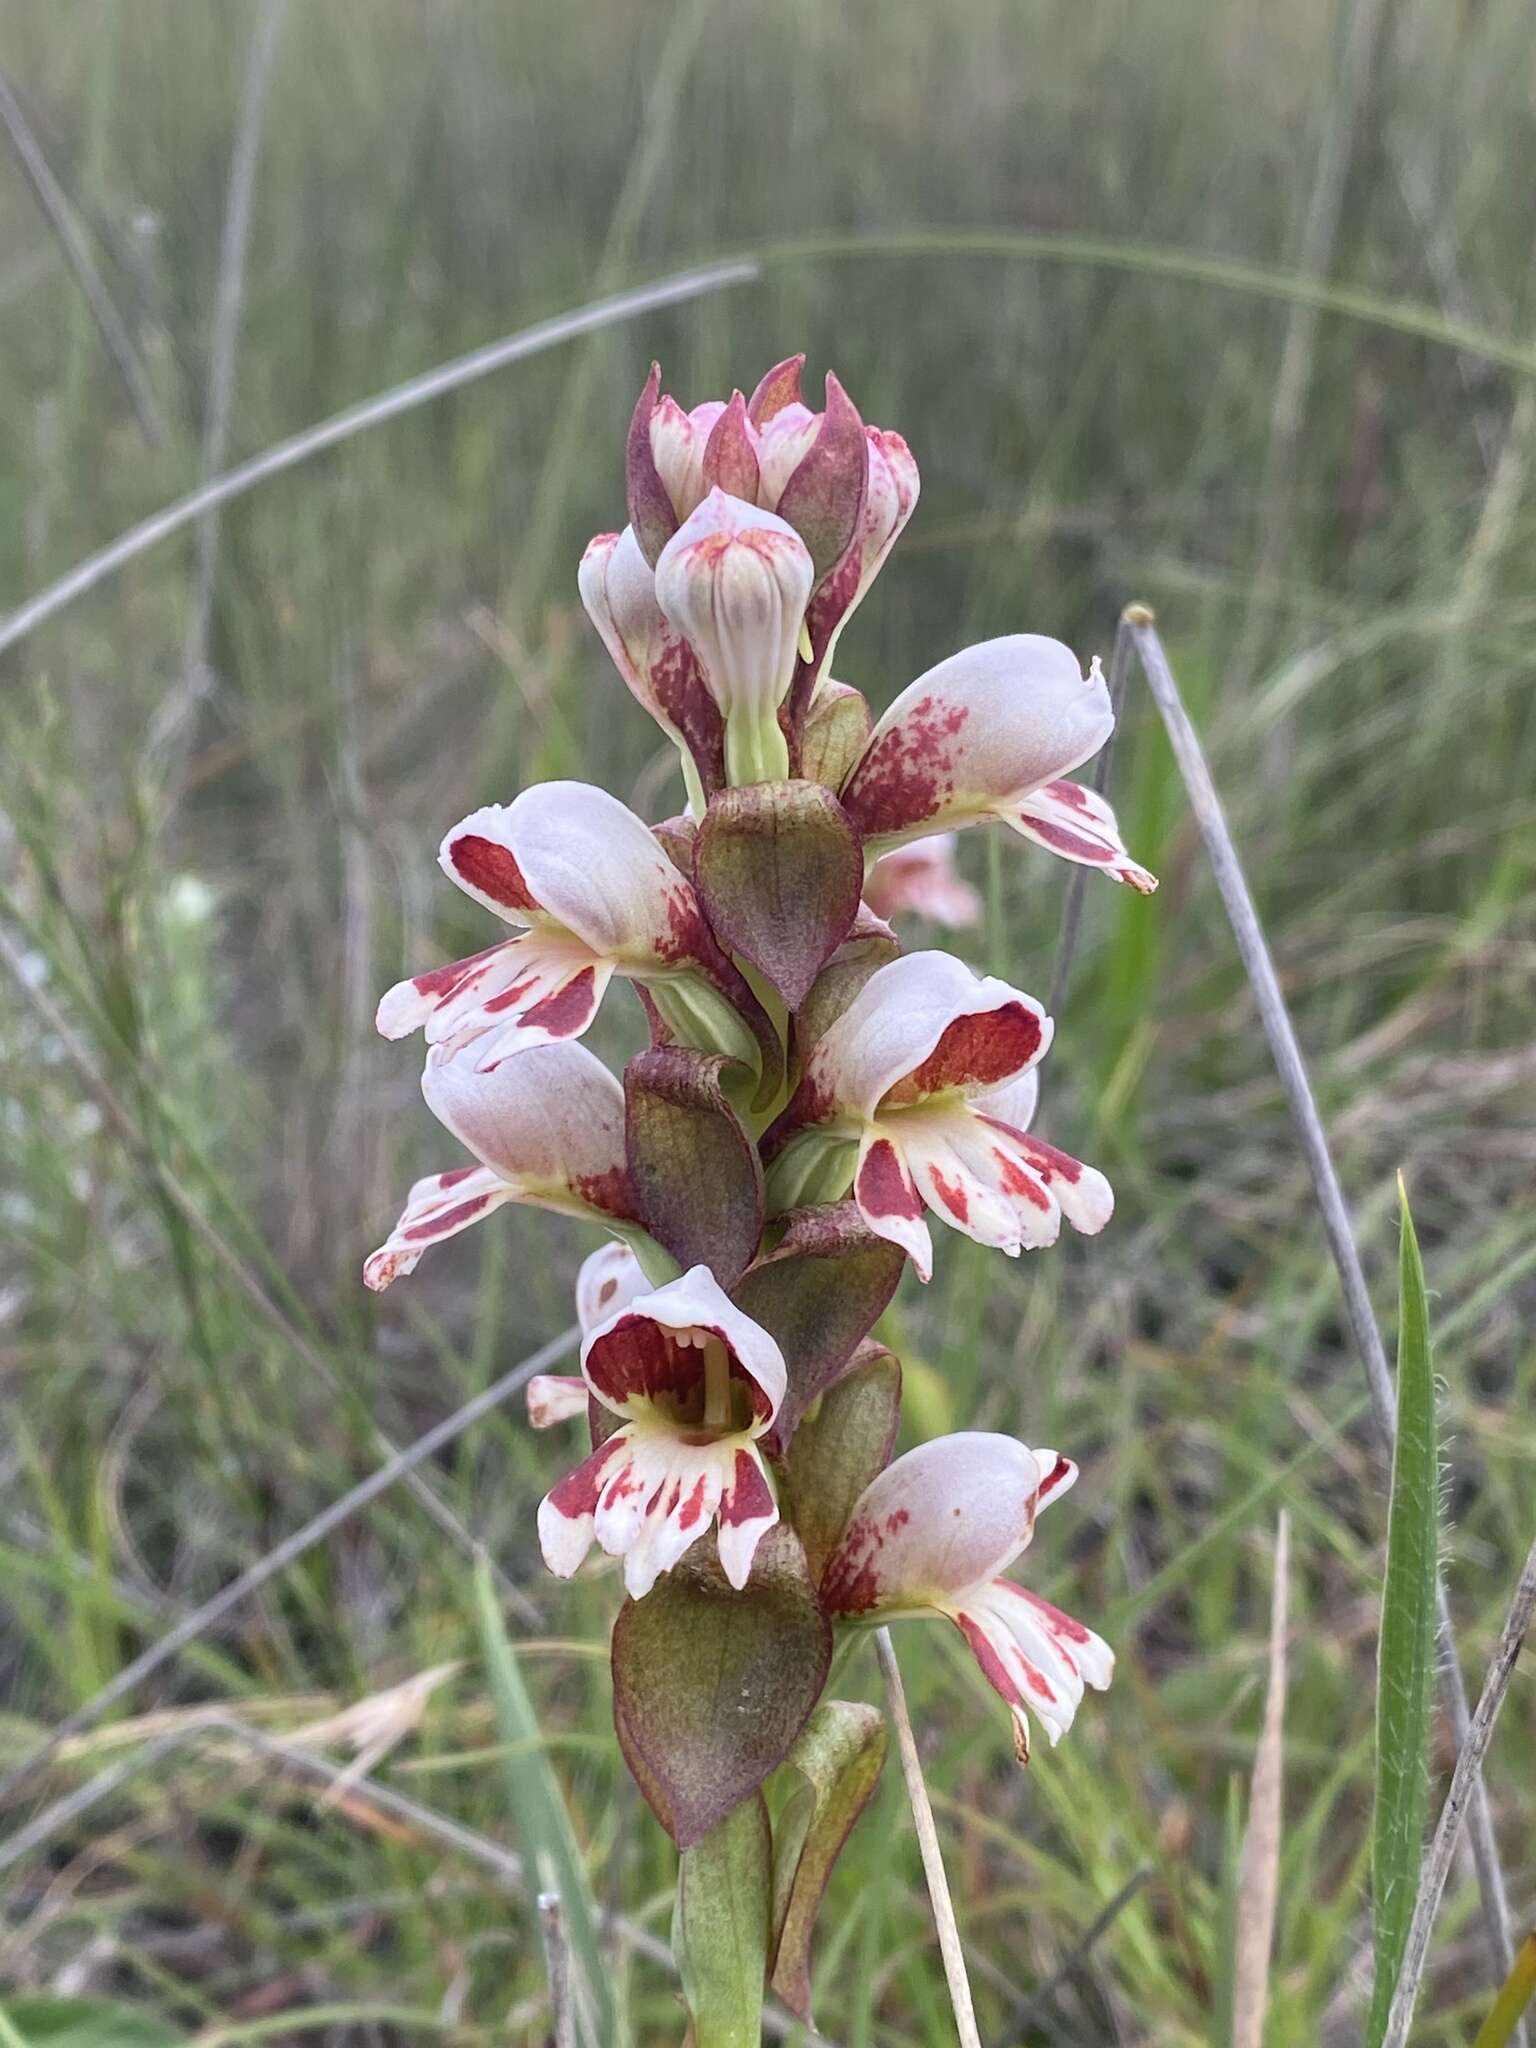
{"x": 489, "y": 867}
{"x": 449, "y": 1221}
{"x": 577, "y": 1493}
{"x": 1015, "y": 1181}
{"x": 1059, "y": 1624}
{"x": 1049, "y": 1163}
{"x": 996, "y": 1672}
{"x": 1054, "y": 1477}
{"x": 750, "y": 1497}
{"x": 952, "y": 1195}
{"x": 1064, "y": 840}
{"x": 693, "y": 1506}
{"x": 447, "y": 981}
{"x": 454, "y": 1175}
{"x": 1072, "y": 794}
{"x": 639, "y": 1358}
{"x": 976, "y": 1052}
{"x": 568, "y": 1011}
{"x": 494, "y": 1005}
{"x": 884, "y": 1188}
{"x": 908, "y": 772}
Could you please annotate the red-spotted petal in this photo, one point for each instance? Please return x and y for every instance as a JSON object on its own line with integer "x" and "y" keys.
{"x": 1033, "y": 1656}
{"x": 889, "y": 1201}
{"x": 1068, "y": 819}
{"x": 609, "y": 1280}
{"x": 647, "y": 1496}
{"x": 923, "y": 1025}
{"x": 581, "y": 858}
{"x": 941, "y": 1519}
{"x": 979, "y": 731}
{"x": 1081, "y": 1192}
{"x": 971, "y": 1177}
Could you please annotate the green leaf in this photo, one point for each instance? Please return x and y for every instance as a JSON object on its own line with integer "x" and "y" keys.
{"x": 837, "y": 1764}
{"x": 1406, "y": 1663}
{"x": 81, "y": 2023}
{"x": 720, "y": 1928}
{"x": 844, "y": 1440}
{"x": 697, "y": 1175}
{"x": 711, "y": 1686}
{"x": 537, "y": 1810}
{"x": 779, "y": 868}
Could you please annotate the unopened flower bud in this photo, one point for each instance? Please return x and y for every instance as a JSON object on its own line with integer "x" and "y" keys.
{"x": 734, "y": 581}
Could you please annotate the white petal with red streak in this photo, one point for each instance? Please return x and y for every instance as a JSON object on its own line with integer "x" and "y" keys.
{"x": 955, "y": 1511}
{"x": 889, "y": 1201}
{"x": 973, "y": 1177}
{"x": 592, "y": 865}
{"x": 982, "y": 728}
{"x": 409, "y": 1004}
{"x": 609, "y": 1280}
{"x": 544, "y": 986}
{"x": 438, "y": 1207}
{"x": 897, "y": 1021}
{"x": 555, "y": 1397}
{"x": 655, "y": 1494}
{"x": 1036, "y": 1658}
{"x": 549, "y": 1121}
{"x": 1081, "y": 1192}
{"x": 1068, "y": 819}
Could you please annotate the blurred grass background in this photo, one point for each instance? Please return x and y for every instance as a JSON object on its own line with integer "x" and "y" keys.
{"x": 218, "y": 850}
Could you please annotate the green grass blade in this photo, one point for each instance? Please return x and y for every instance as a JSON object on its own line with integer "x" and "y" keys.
{"x": 537, "y": 1807}
{"x": 1406, "y": 1670}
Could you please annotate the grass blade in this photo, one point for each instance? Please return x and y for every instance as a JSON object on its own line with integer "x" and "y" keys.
{"x": 1497, "y": 2029}
{"x": 1258, "y": 1887}
{"x": 1406, "y": 1669}
{"x": 545, "y": 1835}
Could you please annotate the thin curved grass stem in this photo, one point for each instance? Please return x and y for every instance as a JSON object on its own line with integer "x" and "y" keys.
{"x": 955, "y": 1974}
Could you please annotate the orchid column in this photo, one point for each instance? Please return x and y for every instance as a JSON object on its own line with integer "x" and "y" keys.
{"x": 812, "y": 1100}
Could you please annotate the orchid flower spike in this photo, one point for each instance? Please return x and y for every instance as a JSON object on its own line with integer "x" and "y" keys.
{"x": 608, "y": 1281}
{"x": 596, "y": 896}
{"x": 547, "y": 1127}
{"x": 991, "y": 733}
{"x": 933, "y": 1534}
{"x": 695, "y": 1384}
{"x": 921, "y": 878}
{"x": 921, "y": 1091}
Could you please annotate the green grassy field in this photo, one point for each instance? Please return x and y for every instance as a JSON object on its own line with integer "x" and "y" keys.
{"x": 1066, "y": 251}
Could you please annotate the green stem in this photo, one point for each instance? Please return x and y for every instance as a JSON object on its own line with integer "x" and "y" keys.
{"x": 755, "y": 750}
